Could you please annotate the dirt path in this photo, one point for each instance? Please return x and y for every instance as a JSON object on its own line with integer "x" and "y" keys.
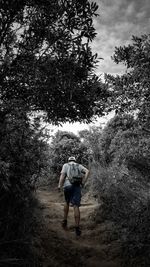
{"x": 62, "y": 248}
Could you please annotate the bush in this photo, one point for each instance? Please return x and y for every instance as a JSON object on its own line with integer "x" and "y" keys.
{"x": 121, "y": 185}
{"x": 124, "y": 199}
{"x": 21, "y": 150}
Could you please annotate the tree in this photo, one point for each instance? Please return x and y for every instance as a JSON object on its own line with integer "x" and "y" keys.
{"x": 91, "y": 139}
{"x": 114, "y": 130}
{"x": 125, "y": 146}
{"x": 46, "y": 58}
{"x": 65, "y": 144}
{"x": 46, "y": 63}
{"x": 131, "y": 91}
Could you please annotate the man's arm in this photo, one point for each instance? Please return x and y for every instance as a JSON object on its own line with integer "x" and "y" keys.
{"x": 61, "y": 180}
{"x": 86, "y": 175}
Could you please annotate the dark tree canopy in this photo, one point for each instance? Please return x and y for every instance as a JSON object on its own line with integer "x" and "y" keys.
{"x": 46, "y": 58}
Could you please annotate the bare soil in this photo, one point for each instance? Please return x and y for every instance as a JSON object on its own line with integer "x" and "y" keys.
{"x": 96, "y": 247}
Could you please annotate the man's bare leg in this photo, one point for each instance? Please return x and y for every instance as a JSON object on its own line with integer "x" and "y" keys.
{"x": 77, "y": 220}
{"x": 77, "y": 216}
{"x": 66, "y": 211}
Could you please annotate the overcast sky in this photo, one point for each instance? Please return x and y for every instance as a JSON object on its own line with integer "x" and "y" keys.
{"x": 118, "y": 20}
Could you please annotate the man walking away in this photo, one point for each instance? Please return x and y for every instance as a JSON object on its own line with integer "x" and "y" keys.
{"x": 73, "y": 177}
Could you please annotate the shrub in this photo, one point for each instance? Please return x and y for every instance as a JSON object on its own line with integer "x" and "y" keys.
{"x": 21, "y": 150}
{"x": 122, "y": 187}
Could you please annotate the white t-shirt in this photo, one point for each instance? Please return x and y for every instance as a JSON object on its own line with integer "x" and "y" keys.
{"x": 65, "y": 170}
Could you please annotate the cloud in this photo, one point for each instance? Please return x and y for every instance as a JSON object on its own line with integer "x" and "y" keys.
{"x": 119, "y": 20}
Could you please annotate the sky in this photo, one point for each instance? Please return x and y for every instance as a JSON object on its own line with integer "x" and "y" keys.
{"x": 117, "y": 22}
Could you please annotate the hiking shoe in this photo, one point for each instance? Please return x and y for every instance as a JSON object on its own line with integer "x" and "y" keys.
{"x": 64, "y": 224}
{"x": 77, "y": 231}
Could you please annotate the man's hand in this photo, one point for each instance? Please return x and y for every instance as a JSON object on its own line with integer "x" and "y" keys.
{"x": 59, "y": 188}
{"x": 61, "y": 181}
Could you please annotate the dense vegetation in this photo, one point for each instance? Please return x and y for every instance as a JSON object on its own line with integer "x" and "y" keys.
{"x": 119, "y": 155}
{"x": 119, "y": 159}
{"x": 21, "y": 159}
{"x": 47, "y": 65}
{"x": 46, "y": 58}
{"x": 122, "y": 173}
{"x": 121, "y": 182}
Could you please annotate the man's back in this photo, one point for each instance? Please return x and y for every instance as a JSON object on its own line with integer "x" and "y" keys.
{"x": 73, "y": 170}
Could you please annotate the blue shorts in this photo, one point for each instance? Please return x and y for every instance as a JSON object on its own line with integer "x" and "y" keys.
{"x": 72, "y": 194}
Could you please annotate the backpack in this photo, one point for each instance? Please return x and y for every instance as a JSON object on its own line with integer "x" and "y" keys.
{"x": 74, "y": 174}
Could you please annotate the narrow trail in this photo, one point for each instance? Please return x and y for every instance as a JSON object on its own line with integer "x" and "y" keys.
{"x": 58, "y": 247}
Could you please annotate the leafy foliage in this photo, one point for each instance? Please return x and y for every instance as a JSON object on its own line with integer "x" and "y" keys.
{"x": 111, "y": 140}
{"x": 46, "y": 64}
{"x": 65, "y": 144}
{"x": 46, "y": 58}
{"x": 130, "y": 92}
{"x": 91, "y": 139}
{"x": 21, "y": 157}
{"x": 122, "y": 184}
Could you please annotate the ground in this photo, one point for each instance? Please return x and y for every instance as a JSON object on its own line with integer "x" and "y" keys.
{"x": 96, "y": 247}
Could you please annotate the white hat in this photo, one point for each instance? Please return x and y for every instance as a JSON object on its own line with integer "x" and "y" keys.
{"x": 72, "y": 159}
